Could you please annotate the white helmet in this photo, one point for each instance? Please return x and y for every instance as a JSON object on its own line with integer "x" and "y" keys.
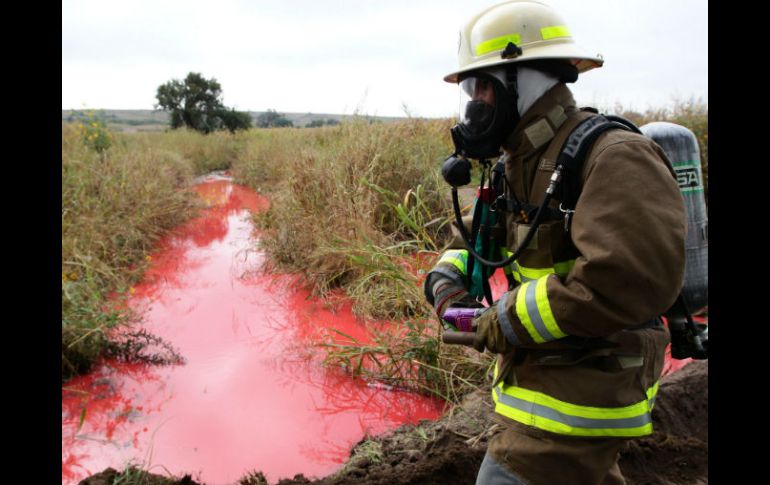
{"x": 535, "y": 30}
{"x": 517, "y": 31}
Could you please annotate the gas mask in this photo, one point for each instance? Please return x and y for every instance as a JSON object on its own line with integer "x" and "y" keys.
{"x": 487, "y": 112}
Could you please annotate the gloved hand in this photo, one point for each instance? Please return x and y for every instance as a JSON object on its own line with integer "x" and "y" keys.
{"x": 443, "y": 293}
{"x": 489, "y": 334}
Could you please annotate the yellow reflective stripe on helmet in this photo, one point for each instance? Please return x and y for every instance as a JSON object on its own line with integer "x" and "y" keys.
{"x": 458, "y": 258}
{"x": 498, "y": 43}
{"x": 534, "y": 311}
{"x": 554, "y": 32}
{"x": 548, "y": 413}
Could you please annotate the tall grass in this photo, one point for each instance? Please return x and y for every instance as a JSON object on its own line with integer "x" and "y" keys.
{"x": 203, "y": 153}
{"x": 116, "y": 203}
{"x": 332, "y": 215}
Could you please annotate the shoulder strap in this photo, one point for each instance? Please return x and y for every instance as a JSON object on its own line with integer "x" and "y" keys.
{"x": 577, "y": 146}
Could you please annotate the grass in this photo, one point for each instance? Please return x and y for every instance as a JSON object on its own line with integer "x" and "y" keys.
{"x": 411, "y": 357}
{"x": 332, "y": 214}
{"x": 116, "y": 203}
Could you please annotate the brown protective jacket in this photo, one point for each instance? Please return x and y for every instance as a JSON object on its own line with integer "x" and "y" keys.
{"x": 625, "y": 256}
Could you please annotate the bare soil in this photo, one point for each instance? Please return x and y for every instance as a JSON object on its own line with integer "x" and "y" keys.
{"x": 450, "y": 450}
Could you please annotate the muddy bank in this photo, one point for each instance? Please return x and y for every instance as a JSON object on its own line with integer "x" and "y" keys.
{"x": 450, "y": 450}
{"x": 677, "y": 452}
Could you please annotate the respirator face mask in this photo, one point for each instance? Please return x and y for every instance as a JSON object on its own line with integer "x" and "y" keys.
{"x": 487, "y": 112}
{"x": 477, "y": 104}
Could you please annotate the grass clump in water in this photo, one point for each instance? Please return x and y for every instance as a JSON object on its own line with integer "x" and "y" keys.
{"x": 412, "y": 358}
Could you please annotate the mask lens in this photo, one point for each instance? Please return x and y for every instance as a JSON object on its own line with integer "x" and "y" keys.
{"x": 477, "y": 109}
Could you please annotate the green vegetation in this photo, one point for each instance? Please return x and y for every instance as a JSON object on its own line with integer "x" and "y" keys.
{"x": 332, "y": 214}
{"x": 318, "y": 123}
{"x": 272, "y": 119}
{"x": 195, "y": 103}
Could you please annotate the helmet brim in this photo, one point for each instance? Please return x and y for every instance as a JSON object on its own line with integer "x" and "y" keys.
{"x": 567, "y": 52}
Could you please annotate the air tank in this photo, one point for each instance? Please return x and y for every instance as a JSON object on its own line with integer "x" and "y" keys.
{"x": 681, "y": 147}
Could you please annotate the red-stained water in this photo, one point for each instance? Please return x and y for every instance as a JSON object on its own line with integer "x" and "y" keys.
{"x": 253, "y": 394}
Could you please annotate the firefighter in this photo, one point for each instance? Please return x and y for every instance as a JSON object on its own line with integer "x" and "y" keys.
{"x": 580, "y": 347}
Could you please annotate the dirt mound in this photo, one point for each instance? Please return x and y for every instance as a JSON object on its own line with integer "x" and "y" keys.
{"x": 450, "y": 450}
{"x": 677, "y": 452}
{"x": 131, "y": 476}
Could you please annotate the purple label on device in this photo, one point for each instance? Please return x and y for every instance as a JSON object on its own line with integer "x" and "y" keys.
{"x": 462, "y": 318}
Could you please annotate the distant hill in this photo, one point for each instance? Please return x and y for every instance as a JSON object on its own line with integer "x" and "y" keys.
{"x": 131, "y": 120}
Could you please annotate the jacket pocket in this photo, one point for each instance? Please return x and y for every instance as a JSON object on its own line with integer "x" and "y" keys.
{"x": 548, "y": 241}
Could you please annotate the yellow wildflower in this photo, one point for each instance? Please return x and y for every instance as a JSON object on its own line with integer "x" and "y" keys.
{"x": 132, "y": 290}
{"x": 64, "y": 277}
{"x": 74, "y": 276}
{"x": 148, "y": 258}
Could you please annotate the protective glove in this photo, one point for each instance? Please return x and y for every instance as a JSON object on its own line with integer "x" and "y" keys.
{"x": 445, "y": 294}
{"x": 489, "y": 334}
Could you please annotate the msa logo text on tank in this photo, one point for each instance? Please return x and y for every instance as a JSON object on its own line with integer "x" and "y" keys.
{"x": 687, "y": 177}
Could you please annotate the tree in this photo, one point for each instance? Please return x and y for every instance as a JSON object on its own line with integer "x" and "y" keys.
{"x": 317, "y": 123}
{"x": 272, "y": 118}
{"x": 235, "y": 120}
{"x": 195, "y": 103}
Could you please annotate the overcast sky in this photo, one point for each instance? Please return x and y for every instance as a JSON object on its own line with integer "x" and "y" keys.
{"x": 377, "y": 57}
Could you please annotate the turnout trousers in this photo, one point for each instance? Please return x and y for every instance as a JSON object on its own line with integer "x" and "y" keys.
{"x": 521, "y": 455}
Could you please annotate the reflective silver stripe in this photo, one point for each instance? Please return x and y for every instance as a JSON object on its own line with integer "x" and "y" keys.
{"x": 505, "y": 322}
{"x": 569, "y": 420}
{"x": 530, "y": 299}
{"x": 456, "y": 279}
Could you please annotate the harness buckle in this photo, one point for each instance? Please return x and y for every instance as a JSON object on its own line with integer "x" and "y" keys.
{"x": 567, "y": 216}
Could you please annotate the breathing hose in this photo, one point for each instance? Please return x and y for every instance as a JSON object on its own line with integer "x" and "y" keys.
{"x": 555, "y": 179}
